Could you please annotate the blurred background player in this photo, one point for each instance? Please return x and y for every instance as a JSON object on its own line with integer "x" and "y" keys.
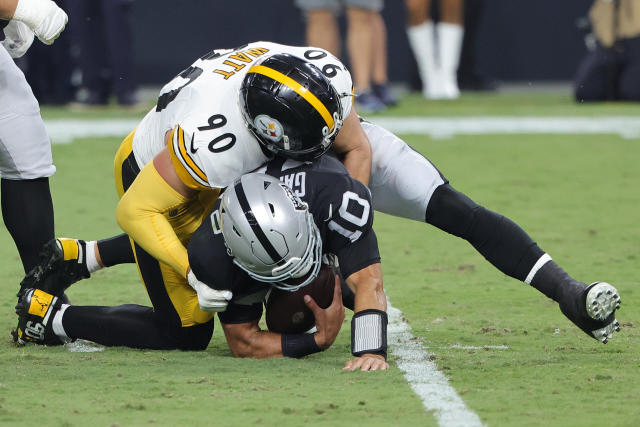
{"x": 49, "y": 69}
{"x": 25, "y": 150}
{"x": 436, "y": 46}
{"x": 470, "y": 73}
{"x": 102, "y": 30}
{"x": 366, "y": 45}
{"x": 610, "y": 70}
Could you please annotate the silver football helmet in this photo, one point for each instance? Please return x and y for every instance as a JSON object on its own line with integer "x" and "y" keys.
{"x": 270, "y": 232}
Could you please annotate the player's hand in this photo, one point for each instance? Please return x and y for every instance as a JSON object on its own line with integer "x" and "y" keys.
{"x": 367, "y": 362}
{"x": 17, "y": 38}
{"x": 44, "y": 17}
{"x": 209, "y": 299}
{"x": 328, "y": 320}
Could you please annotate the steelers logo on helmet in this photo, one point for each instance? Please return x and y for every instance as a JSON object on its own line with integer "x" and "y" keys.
{"x": 268, "y": 127}
{"x": 293, "y": 93}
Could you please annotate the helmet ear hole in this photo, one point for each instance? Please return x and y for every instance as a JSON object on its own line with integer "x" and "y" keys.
{"x": 236, "y": 231}
{"x": 272, "y": 209}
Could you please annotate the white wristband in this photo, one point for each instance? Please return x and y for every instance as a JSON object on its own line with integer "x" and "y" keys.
{"x": 369, "y": 332}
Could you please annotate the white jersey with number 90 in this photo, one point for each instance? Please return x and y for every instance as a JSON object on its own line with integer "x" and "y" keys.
{"x": 211, "y": 141}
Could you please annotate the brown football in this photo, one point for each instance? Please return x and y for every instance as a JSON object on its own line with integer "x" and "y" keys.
{"x": 286, "y": 311}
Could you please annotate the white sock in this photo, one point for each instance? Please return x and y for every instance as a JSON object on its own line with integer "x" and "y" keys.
{"x": 450, "y": 45}
{"x": 422, "y": 42}
{"x": 56, "y": 324}
{"x": 92, "y": 260}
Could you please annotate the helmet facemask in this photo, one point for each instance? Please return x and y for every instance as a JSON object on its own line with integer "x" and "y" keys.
{"x": 250, "y": 234}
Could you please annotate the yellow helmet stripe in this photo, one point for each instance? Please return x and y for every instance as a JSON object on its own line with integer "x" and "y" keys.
{"x": 299, "y": 89}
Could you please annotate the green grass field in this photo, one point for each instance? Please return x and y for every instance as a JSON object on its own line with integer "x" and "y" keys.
{"x": 507, "y": 350}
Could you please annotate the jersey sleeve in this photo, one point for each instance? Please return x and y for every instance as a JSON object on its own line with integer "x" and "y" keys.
{"x": 348, "y": 218}
{"x": 361, "y": 254}
{"x": 184, "y": 156}
{"x": 240, "y": 313}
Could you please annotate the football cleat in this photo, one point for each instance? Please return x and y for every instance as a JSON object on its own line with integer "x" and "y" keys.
{"x": 35, "y": 310}
{"x": 594, "y": 311}
{"x": 62, "y": 263}
{"x": 601, "y": 303}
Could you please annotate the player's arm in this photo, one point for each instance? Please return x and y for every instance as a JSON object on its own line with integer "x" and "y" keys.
{"x": 159, "y": 188}
{"x": 352, "y": 239}
{"x": 369, "y": 322}
{"x": 43, "y": 17}
{"x": 354, "y": 148}
{"x": 248, "y": 340}
{"x": 140, "y": 212}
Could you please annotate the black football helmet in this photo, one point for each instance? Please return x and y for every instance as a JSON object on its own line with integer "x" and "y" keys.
{"x": 291, "y": 107}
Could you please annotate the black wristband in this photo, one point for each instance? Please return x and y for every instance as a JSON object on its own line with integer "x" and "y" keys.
{"x": 299, "y": 345}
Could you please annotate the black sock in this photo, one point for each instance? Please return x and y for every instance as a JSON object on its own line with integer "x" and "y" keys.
{"x": 555, "y": 283}
{"x": 116, "y": 250}
{"x": 501, "y": 241}
{"x": 27, "y": 211}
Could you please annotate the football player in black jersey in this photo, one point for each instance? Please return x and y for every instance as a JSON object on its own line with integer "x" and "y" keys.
{"x": 341, "y": 209}
{"x": 339, "y": 216}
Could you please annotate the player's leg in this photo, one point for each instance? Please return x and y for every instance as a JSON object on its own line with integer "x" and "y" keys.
{"x": 43, "y": 319}
{"x": 421, "y": 35}
{"x": 396, "y": 168}
{"x": 450, "y": 32}
{"x": 379, "y": 77}
{"x": 174, "y": 322}
{"x": 87, "y": 24}
{"x": 322, "y": 27}
{"x": 628, "y": 85}
{"x": 510, "y": 249}
{"x": 597, "y": 76}
{"x": 25, "y": 165}
{"x": 65, "y": 261}
{"x": 27, "y": 211}
{"x": 118, "y": 23}
{"x": 360, "y": 46}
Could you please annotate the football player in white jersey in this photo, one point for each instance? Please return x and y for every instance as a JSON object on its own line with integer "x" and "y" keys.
{"x": 25, "y": 151}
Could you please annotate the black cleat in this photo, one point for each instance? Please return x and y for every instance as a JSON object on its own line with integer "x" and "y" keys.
{"x": 35, "y": 310}
{"x": 594, "y": 311}
{"x": 62, "y": 263}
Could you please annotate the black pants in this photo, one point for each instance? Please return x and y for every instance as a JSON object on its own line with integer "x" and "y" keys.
{"x": 610, "y": 74}
{"x": 103, "y": 30}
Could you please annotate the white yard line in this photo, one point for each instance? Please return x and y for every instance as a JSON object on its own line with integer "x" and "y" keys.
{"x": 63, "y": 131}
{"x": 423, "y": 375}
{"x": 442, "y": 127}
